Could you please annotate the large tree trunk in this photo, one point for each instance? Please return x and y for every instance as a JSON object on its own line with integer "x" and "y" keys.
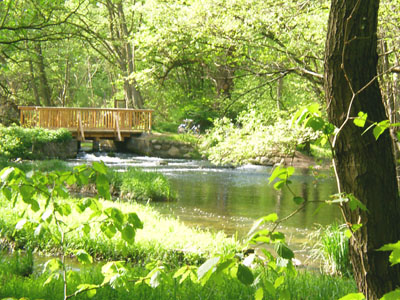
{"x": 366, "y": 168}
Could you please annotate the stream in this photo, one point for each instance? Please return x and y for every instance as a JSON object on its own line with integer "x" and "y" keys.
{"x": 232, "y": 199}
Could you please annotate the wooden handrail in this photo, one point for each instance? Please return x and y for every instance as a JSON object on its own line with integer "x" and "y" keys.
{"x": 86, "y": 119}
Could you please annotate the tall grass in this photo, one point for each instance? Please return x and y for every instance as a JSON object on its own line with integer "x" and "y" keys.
{"x": 136, "y": 184}
{"x": 332, "y": 249}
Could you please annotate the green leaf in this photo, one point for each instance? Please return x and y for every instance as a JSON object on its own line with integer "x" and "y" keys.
{"x": 53, "y": 265}
{"x": 39, "y": 230}
{"x": 21, "y": 224}
{"x": 277, "y": 173}
{"x": 207, "y": 268}
{"x": 315, "y": 123}
{"x": 259, "y": 295}
{"x": 52, "y": 277}
{"x": 245, "y": 275}
{"x": 279, "y": 281}
{"x": 298, "y": 200}
{"x": 63, "y": 209}
{"x": 134, "y": 220}
{"x": 116, "y": 215}
{"x": 354, "y": 203}
{"x": 91, "y": 289}
{"x": 5, "y": 173}
{"x": 128, "y": 233}
{"x": 270, "y": 288}
{"x": 394, "y": 257}
{"x": 100, "y": 167}
{"x": 380, "y": 128}
{"x": 283, "y": 251}
{"x": 269, "y": 218}
{"x": 83, "y": 257}
{"x": 108, "y": 229}
{"x": 279, "y": 184}
{"x": 360, "y": 120}
{"x": 155, "y": 279}
{"x": 394, "y": 295}
{"x": 353, "y": 296}
{"x": 103, "y": 186}
{"x": 7, "y": 193}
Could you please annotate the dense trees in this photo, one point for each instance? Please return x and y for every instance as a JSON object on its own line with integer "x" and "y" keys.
{"x": 365, "y": 166}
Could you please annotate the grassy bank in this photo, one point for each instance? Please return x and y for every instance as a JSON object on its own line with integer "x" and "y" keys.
{"x": 161, "y": 238}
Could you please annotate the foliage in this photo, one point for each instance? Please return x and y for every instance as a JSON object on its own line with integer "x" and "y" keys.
{"x": 18, "y": 142}
{"x": 305, "y": 285}
{"x": 227, "y": 143}
{"x": 331, "y": 248}
{"x": 42, "y": 194}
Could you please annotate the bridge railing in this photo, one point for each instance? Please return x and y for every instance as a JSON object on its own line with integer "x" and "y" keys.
{"x": 87, "y": 119}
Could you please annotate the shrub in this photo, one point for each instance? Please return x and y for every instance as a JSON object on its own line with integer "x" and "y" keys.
{"x": 227, "y": 143}
{"x": 19, "y": 142}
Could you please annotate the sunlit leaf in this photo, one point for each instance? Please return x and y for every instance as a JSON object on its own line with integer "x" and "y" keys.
{"x": 155, "y": 279}
{"x": 353, "y": 296}
{"x": 360, "y": 119}
{"x": 394, "y": 257}
{"x": 89, "y": 289}
{"x": 53, "y": 265}
{"x": 279, "y": 281}
{"x": 380, "y": 128}
{"x": 21, "y": 224}
{"x": 394, "y": 295}
{"x": 207, "y": 268}
{"x": 100, "y": 167}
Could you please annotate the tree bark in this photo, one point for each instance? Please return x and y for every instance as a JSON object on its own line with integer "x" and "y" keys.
{"x": 44, "y": 84}
{"x": 365, "y": 167}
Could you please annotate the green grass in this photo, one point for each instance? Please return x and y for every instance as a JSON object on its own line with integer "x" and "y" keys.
{"x": 136, "y": 184}
{"x": 310, "y": 286}
{"x": 162, "y": 238}
{"x": 331, "y": 247}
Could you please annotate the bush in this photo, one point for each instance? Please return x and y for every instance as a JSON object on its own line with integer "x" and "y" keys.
{"x": 19, "y": 142}
{"x": 227, "y": 143}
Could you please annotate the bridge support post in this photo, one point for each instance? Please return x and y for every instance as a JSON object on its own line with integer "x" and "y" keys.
{"x": 96, "y": 146}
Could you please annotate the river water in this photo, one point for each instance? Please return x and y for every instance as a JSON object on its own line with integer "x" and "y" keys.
{"x": 231, "y": 199}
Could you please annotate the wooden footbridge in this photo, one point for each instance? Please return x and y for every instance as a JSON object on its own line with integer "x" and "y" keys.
{"x": 89, "y": 123}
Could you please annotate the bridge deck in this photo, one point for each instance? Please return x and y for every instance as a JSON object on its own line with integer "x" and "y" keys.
{"x": 89, "y": 123}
